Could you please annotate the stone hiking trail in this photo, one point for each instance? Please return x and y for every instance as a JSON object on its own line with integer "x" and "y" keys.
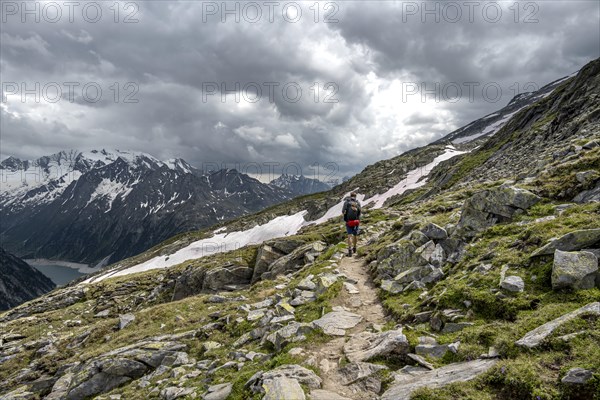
{"x": 359, "y": 296}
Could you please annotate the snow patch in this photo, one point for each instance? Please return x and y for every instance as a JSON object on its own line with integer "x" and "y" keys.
{"x": 414, "y": 179}
{"x": 281, "y": 226}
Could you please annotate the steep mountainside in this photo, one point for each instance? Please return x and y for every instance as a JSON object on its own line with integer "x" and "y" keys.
{"x": 20, "y": 282}
{"x": 100, "y": 205}
{"x": 466, "y": 286}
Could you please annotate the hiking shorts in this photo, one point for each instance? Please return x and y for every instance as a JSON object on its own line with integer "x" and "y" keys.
{"x": 352, "y": 230}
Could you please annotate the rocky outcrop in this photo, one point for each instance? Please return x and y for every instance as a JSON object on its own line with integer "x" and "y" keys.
{"x": 535, "y": 337}
{"x": 574, "y": 270}
{"x": 576, "y": 240}
{"x": 295, "y": 260}
{"x": 269, "y": 252}
{"x": 405, "y": 384}
{"x": 365, "y": 345}
{"x": 492, "y": 206}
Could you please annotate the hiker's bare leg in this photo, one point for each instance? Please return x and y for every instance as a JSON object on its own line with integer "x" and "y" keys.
{"x": 354, "y": 239}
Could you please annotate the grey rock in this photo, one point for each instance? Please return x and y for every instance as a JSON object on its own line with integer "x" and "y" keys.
{"x": 335, "y": 322}
{"x": 218, "y": 278}
{"x": 488, "y": 207}
{"x": 357, "y": 371}
{"x": 366, "y": 345}
{"x": 574, "y": 270}
{"x": 420, "y": 360}
{"x": 174, "y": 392}
{"x": 125, "y": 320}
{"x": 535, "y": 337}
{"x": 282, "y": 388}
{"x": 218, "y": 392}
{"x": 295, "y": 372}
{"x": 293, "y": 332}
{"x": 450, "y": 327}
{"x": 293, "y": 261}
{"x": 391, "y": 286}
{"x": 513, "y": 283}
{"x": 307, "y": 283}
{"x": 577, "y": 376}
{"x": 405, "y": 384}
{"x": 434, "y": 232}
{"x": 575, "y": 240}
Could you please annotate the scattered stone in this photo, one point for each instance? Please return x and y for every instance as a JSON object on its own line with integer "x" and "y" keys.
{"x": 577, "y": 376}
{"x": 391, "y": 286}
{"x": 254, "y": 315}
{"x": 576, "y": 240}
{"x": 536, "y": 336}
{"x": 103, "y": 314}
{"x": 282, "y": 388}
{"x": 293, "y": 332}
{"x": 405, "y": 384}
{"x": 218, "y": 392}
{"x": 295, "y": 372}
{"x": 357, "y": 371}
{"x": 307, "y": 283}
{"x": 210, "y": 345}
{"x": 125, "y": 320}
{"x": 350, "y": 288}
{"x": 513, "y": 283}
{"x": 366, "y": 345}
{"x": 420, "y": 360}
{"x": 434, "y": 232}
{"x": 574, "y": 270}
{"x": 335, "y": 322}
{"x": 451, "y": 327}
{"x": 423, "y": 316}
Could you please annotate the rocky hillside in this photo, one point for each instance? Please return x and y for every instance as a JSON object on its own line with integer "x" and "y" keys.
{"x": 466, "y": 286}
{"x": 100, "y": 207}
{"x": 299, "y": 184}
{"x": 20, "y": 282}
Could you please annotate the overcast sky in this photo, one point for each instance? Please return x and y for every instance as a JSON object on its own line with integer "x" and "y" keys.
{"x": 359, "y": 67}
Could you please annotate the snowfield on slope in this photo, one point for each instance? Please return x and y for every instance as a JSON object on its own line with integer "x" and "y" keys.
{"x": 281, "y": 226}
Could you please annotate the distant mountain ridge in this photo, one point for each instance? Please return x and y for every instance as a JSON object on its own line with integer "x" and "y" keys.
{"x": 19, "y": 282}
{"x": 107, "y": 205}
{"x": 299, "y": 184}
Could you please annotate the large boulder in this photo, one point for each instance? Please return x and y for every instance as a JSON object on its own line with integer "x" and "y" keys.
{"x": 296, "y": 372}
{"x": 336, "y": 322}
{"x": 535, "y": 337}
{"x": 576, "y": 240}
{"x": 397, "y": 258}
{"x": 282, "y": 388}
{"x": 405, "y": 383}
{"x": 367, "y": 345}
{"x": 492, "y": 206}
{"x": 217, "y": 278}
{"x": 574, "y": 270}
{"x": 295, "y": 260}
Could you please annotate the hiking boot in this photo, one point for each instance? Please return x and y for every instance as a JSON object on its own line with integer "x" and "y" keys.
{"x": 349, "y": 252}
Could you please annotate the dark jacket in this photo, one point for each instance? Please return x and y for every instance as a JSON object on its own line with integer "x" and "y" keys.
{"x": 347, "y": 206}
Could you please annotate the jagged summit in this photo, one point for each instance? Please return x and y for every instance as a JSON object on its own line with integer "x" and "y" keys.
{"x": 299, "y": 184}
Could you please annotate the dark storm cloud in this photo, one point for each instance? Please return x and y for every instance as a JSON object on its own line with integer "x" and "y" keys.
{"x": 171, "y": 60}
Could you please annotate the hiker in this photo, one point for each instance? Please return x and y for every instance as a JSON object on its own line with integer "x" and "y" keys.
{"x": 351, "y": 212}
